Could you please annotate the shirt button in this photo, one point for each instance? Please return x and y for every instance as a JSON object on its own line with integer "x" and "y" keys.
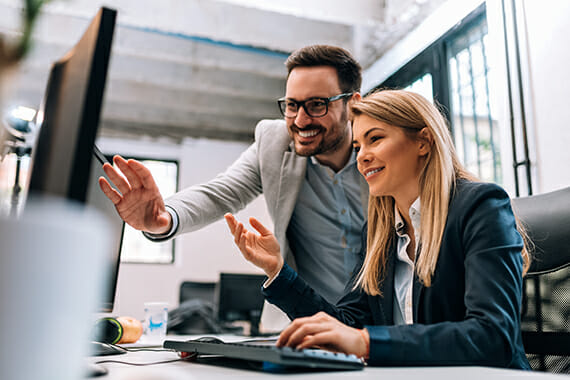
{"x": 335, "y": 181}
{"x": 343, "y": 211}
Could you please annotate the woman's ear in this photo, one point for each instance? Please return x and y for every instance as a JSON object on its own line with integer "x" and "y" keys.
{"x": 426, "y": 141}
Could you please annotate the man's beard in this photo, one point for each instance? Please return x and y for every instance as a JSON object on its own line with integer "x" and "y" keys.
{"x": 327, "y": 144}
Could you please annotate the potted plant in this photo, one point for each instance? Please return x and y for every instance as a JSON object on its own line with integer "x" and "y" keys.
{"x": 12, "y": 51}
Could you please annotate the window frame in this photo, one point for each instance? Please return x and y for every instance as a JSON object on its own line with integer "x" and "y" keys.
{"x": 434, "y": 60}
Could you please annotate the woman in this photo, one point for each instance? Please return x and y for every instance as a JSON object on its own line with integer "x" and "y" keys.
{"x": 441, "y": 280}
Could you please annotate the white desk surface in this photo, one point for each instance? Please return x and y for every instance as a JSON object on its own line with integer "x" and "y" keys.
{"x": 191, "y": 370}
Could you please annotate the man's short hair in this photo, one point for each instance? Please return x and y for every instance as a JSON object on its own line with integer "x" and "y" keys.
{"x": 348, "y": 70}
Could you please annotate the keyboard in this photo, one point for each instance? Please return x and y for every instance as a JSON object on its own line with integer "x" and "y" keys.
{"x": 284, "y": 356}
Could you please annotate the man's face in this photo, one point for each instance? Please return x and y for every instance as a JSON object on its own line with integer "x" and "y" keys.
{"x": 317, "y": 135}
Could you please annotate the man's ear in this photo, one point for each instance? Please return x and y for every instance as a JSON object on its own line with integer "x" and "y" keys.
{"x": 425, "y": 140}
{"x": 356, "y": 97}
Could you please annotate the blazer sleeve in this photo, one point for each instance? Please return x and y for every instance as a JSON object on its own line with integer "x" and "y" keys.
{"x": 489, "y": 334}
{"x": 296, "y": 298}
{"x": 230, "y": 191}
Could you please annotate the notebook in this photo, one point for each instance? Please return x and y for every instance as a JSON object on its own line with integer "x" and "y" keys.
{"x": 269, "y": 353}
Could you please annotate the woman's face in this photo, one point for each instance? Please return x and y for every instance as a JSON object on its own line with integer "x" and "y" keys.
{"x": 388, "y": 159}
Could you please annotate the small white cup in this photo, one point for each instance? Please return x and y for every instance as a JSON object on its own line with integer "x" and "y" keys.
{"x": 156, "y": 317}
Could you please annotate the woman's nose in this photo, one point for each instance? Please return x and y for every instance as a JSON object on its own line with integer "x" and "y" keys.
{"x": 362, "y": 155}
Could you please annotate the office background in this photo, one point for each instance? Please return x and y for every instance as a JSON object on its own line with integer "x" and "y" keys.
{"x": 158, "y": 49}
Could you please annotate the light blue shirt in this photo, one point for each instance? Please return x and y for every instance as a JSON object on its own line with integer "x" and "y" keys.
{"x": 325, "y": 228}
{"x": 404, "y": 267}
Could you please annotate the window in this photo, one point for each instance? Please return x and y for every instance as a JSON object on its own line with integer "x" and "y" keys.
{"x": 476, "y": 131}
{"x": 138, "y": 249}
{"x": 423, "y": 86}
{"x": 454, "y": 72}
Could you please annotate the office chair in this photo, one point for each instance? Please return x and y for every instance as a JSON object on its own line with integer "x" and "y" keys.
{"x": 196, "y": 313}
{"x": 546, "y": 291}
{"x": 197, "y": 290}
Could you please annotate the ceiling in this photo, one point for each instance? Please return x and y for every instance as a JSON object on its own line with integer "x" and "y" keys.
{"x": 203, "y": 68}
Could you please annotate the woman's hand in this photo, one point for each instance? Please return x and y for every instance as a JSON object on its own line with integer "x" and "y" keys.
{"x": 261, "y": 250}
{"x": 322, "y": 330}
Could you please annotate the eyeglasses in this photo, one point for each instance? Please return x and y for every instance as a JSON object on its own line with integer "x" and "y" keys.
{"x": 314, "y": 107}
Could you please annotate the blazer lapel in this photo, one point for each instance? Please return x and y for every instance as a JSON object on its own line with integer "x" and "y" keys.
{"x": 416, "y": 293}
{"x": 384, "y": 306}
{"x": 293, "y": 170}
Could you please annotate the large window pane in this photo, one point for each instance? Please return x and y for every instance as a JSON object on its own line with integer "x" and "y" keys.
{"x": 475, "y": 127}
{"x": 422, "y": 86}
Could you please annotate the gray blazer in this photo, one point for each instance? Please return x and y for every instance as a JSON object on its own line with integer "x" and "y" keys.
{"x": 269, "y": 166}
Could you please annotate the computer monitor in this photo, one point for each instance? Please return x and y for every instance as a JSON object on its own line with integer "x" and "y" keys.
{"x": 69, "y": 116}
{"x": 65, "y": 162}
{"x": 97, "y": 199}
{"x": 239, "y": 298}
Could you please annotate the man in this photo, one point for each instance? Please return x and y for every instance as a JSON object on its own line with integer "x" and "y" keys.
{"x": 304, "y": 166}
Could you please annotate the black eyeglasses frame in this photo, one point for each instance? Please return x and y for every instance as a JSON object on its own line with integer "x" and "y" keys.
{"x": 299, "y": 104}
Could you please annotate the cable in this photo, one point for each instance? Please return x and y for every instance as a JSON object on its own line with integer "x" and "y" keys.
{"x": 191, "y": 356}
{"x": 139, "y": 349}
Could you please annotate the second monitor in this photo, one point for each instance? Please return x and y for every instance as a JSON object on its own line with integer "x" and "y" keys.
{"x": 240, "y": 299}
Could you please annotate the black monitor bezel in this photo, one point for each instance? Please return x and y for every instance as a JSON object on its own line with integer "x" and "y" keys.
{"x": 68, "y": 122}
{"x": 92, "y": 54}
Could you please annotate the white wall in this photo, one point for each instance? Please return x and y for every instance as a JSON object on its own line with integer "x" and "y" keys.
{"x": 200, "y": 255}
{"x": 547, "y": 35}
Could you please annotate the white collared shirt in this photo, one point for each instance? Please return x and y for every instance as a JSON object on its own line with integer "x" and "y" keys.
{"x": 404, "y": 267}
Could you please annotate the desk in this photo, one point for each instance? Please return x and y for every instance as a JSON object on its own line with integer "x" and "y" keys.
{"x": 199, "y": 371}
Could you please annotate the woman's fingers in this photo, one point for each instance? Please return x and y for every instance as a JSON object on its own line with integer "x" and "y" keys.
{"x": 325, "y": 338}
{"x": 305, "y": 334}
{"x": 322, "y": 330}
{"x": 285, "y": 336}
{"x": 231, "y": 222}
{"x": 259, "y": 227}
{"x": 297, "y": 330}
{"x": 238, "y": 233}
{"x": 260, "y": 250}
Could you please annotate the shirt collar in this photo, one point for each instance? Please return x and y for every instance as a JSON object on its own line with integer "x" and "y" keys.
{"x": 414, "y": 216}
{"x": 351, "y": 161}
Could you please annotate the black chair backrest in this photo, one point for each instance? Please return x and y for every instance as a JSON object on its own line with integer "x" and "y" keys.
{"x": 196, "y": 313}
{"x": 204, "y": 291}
{"x": 546, "y": 297}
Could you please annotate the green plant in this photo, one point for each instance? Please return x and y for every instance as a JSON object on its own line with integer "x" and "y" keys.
{"x": 10, "y": 53}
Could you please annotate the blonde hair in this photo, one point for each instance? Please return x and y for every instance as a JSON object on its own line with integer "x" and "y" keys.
{"x": 412, "y": 112}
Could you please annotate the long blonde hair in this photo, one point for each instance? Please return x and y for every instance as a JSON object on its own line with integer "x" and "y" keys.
{"x": 412, "y": 112}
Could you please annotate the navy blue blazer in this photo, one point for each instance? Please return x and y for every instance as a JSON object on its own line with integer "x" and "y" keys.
{"x": 470, "y": 315}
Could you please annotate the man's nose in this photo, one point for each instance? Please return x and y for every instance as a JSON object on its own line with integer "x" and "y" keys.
{"x": 302, "y": 119}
